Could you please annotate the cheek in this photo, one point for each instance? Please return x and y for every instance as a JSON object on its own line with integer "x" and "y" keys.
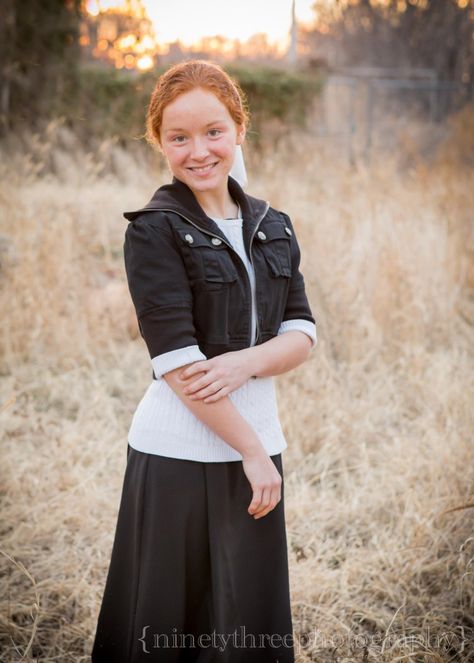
{"x": 224, "y": 149}
{"x": 176, "y": 156}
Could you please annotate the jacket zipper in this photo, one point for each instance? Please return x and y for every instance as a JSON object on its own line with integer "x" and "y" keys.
{"x": 257, "y": 335}
{"x": 162, "y": 209}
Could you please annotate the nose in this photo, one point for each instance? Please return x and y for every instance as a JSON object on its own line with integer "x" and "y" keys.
{"x": 199, "y": 149}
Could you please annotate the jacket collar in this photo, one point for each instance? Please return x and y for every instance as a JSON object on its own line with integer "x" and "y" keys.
{"x": 178, "y": 197}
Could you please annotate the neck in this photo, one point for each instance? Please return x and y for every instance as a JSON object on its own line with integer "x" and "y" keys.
{"x": 217, "y": 203}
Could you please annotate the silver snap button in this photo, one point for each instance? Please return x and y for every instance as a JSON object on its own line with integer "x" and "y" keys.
{"x": 216, "y": 241}
{"x": 189, "y": 238}
{"x": 261, "y": 235}
{"x": 288, "y": 230}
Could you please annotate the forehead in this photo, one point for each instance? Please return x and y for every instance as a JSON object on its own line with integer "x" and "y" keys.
{"x": 195, "y": 108}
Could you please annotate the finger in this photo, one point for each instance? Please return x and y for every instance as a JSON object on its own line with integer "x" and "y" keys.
{"x": 276, "y": 496}
{"x": 276, "y": 492}
{"x": 197, "y": 384}
{"x": 196, "y": 367}
{"x": 261, "y": 514}
{"x": 194, "y": 380}
{"x": 264, "y": 502}
{"x": 215, "y": 397}
{"x": 256, "y": 499}
{"x": 207, "y": 390}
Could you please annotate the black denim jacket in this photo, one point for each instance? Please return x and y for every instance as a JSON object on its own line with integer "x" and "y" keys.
{"x": 190, "y": 287}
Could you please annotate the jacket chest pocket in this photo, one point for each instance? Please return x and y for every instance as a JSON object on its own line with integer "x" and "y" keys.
{"x": 274, "y": 246}
{"x": 211, "y": 273}
{"x": 207, "y": 260}
{"x": 274, "y": 242}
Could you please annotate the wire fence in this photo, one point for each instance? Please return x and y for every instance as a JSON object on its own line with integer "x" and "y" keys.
{"x": 362, "y": 109}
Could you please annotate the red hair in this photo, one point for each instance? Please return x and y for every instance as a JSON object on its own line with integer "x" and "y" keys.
{"x": 186, "y": 76}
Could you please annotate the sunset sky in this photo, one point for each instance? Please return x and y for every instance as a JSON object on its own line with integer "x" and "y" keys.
{"x": 189, "y": 20}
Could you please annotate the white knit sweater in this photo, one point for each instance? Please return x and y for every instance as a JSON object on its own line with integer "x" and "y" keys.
{"x": 163, "y": 425}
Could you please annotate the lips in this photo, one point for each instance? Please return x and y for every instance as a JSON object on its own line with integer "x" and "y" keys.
{"x": 203, "y": 169}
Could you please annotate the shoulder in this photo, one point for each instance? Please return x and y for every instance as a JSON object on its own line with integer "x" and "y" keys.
{"x": 272, "y": 214}
{"x": 148, "y": 219}
{"x": 278, "y": 218}
{"x": 149, "y": 238}
{"x": 276, "y": 215}
{"x": 148, "y": 226}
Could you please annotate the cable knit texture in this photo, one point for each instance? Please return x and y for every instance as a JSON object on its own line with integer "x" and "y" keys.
{"x": 163, "y": 425}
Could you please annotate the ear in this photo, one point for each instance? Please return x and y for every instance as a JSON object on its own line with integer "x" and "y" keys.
{"x": 159, "y": 148}
{"x": 241, "y": 131}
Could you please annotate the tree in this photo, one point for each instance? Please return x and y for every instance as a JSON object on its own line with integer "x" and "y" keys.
{"x": 39, "y": 53}
{"x": 435, "y": 34}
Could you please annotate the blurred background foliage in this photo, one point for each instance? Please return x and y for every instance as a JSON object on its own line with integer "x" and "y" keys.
{"x": 112, "y": 102}
{"x": 45, "y": 73}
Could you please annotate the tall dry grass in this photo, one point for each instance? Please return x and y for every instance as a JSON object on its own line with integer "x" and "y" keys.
{"x": 379, "y": 470}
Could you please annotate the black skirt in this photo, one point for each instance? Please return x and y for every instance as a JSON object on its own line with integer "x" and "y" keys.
{"x": 193, "y": 576}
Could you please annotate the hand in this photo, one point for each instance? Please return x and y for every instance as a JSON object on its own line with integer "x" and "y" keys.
{"x": 217, "y": 376}
{"x": 265, "y": 481}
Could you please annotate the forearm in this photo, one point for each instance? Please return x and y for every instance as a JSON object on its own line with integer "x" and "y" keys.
{"x": 222, "y": 417}
{"x": 279, "y": 354}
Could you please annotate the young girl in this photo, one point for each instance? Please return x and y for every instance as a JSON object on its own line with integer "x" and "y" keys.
{"x": 199, "y": 565}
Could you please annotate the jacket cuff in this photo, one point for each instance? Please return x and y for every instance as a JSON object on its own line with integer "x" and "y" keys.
{"x": 176, "y": 358}
{"x": 305, "y": 326}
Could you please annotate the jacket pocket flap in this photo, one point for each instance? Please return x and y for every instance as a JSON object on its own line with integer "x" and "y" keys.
{"x": 194, "y": 239}
{"x": 273, "y": 231}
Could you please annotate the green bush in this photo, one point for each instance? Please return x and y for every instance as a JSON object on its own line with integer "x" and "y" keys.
{"x": 276, "y": 93}
{"x": 114, "y": 102}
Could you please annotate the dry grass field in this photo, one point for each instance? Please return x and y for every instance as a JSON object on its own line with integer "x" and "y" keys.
{"x": 379, "y": 470}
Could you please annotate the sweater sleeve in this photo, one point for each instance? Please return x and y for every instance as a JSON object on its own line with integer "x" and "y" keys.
{"x": 161, "y": 294}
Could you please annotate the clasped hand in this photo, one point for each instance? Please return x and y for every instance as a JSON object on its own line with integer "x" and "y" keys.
{"x": 216, "y": 377}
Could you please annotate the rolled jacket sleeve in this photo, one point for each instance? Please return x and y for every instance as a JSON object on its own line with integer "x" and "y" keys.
{"x": 297, "y": 305}
{"x": 161, "y": 294}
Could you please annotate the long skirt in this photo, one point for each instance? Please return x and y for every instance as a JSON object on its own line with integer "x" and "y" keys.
{"x": 193, "y": 576}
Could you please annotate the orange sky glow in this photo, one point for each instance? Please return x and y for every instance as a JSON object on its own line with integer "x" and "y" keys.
{"x": 190, "y": 20}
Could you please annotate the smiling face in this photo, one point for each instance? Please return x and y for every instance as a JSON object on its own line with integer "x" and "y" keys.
{"x": 198, "y": 137}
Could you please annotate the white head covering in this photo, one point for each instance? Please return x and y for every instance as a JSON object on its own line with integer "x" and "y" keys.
{"x": 238, "y": 171}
